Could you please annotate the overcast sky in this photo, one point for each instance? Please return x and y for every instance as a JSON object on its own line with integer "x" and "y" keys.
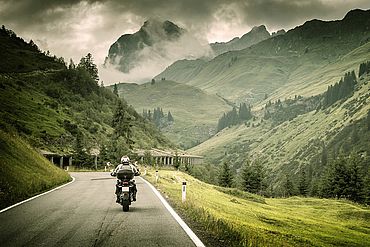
{"x": 72, "y": 28}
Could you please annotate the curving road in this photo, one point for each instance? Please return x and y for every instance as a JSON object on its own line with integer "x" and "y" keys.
{"x": 84, "y": 213}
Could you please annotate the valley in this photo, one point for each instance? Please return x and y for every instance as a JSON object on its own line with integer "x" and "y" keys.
{"x": 195, "y": 111}
{"x": 279, "y": 124}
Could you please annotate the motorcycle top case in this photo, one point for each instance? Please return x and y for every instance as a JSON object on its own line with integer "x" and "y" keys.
{"x": 125, "y": 173}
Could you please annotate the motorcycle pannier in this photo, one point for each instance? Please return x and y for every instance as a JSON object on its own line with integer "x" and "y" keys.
{"x": 125, "y": 173}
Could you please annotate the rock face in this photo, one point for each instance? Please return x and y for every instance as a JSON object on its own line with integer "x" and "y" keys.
{"x": 256, "y": 35}
{"x": 126, "y": 53}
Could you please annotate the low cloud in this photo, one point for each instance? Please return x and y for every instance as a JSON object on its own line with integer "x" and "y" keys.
{"x": 152, "y": 60}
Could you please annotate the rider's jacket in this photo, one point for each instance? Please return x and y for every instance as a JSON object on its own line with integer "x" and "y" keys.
{"x": 119, "y": 167}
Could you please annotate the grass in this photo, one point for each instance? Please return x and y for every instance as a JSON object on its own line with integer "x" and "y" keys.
{"x": 239, "y": 219}
{"x": 24, "y": 172}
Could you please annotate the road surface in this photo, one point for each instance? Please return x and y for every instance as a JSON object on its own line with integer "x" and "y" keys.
{"x": 84, "y": 213}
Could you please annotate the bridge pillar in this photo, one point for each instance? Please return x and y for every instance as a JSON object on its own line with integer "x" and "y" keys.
{"x": 61, "y": 162}
{"x": 96, "y": 162}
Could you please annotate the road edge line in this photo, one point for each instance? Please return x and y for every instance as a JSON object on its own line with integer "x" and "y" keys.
{"x": 36, "y": 196}
{"x": 183, "y": 225}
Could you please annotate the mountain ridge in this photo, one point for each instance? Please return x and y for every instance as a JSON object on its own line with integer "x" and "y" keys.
{"x": 304, "y": 48}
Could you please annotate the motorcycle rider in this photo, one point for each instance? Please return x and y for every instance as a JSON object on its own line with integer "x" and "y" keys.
{"x": 125, "y": 161}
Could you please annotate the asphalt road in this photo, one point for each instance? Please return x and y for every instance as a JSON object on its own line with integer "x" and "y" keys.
{"x": 84, "y": 213}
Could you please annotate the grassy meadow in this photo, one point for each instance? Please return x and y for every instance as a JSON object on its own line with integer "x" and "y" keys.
{"x": 238, "y": 218}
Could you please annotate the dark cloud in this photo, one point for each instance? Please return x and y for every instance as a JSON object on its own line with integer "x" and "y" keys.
{"x": 271, "y": 12}
{"x": 71, "y": 28}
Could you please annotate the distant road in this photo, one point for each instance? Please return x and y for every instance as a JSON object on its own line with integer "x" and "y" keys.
{"x": 84, "y": 213}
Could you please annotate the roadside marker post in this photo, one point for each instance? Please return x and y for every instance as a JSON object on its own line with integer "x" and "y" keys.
{"x": 156, "y": 176}
{"x": 183, "y": 191}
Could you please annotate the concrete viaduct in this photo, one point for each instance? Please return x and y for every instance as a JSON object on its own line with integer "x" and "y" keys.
{"x": 169, "y": 157}
{"x": 61, "y": 160}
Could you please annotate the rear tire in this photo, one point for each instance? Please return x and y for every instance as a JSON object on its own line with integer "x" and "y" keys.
{"x": 125, "y": 208}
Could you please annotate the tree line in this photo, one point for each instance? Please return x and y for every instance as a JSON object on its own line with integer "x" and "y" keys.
{"x": 364, "y": 69}
{"x": 340, "y": 90}
{"x": 235, "y": 116}
{"x": 344, "y": 177}
{"x": 250, "y": 178}
{"x": 157, "y": 117}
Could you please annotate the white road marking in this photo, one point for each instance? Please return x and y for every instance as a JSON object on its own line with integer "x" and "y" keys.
{"x": 184, "y": 226}
{"x": 29, "y": 199}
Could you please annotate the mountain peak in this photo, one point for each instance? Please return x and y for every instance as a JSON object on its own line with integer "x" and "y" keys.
{"x": 156, "y": 26}
{"x": 254, "y": 36}
{"x": 124, "y": 52}
{"x": 261, "y": 28}
{"x": 356, "y": 13}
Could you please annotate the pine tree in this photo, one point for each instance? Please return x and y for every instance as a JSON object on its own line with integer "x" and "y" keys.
{"x": 246, "y": 177}
{"x": 104, "y": 156}
{"x": 368, "y": 120}
{"x": 234, "y": 118}
{"x": 71, "y": 64}
{"x": 288, "y": 187}
{"x": 115, "y": 89}
{"x": 221, "y": 123}
{"x": 343, "y": 178}
{"x": 324, "y": 155}
{"x": 366, "y": 188}
{"x": 169, "y": 117}
{"x": 225, "y": 177}
{"x": 252, "y": 177}
{"x": 122, "y": 123}
{"x": 244, "y": 112}
{"x": 176, "y": 161}
{"x": 148, "y": 159}
{"x": 303, "y": 186}
{"x": 81, "y": 158}
{"x": 355, "y": 183}
{"x": 87, "y": 63}
{"x": 361, "y": 70}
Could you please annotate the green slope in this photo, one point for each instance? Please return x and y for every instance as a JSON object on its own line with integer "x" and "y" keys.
{"x": 44, "y": 105}
{"x": 293, "y": 145}
{"x": 182, "y": 70}
{"x": 24, "y": 172}
{"x": 50, "y": 105}
{"x": 195, "y": 112}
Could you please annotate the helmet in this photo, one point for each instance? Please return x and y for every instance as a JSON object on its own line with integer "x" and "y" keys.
{"x": 125, "y": 160}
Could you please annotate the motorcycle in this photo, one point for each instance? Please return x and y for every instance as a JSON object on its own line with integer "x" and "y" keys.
{"x": 125, "y": 185}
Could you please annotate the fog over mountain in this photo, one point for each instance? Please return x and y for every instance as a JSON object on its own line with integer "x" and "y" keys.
{"x": 150, "y": 50}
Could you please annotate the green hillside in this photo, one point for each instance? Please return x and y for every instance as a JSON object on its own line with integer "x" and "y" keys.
{"x": 24, "y": 172}
{"x": 194, "y": 111}
{"x": 51, "y": 107}
{"x": 182, "y": 70}
{"x": 19, "y": 56}
{"x": 290, "y": 144}
{"x": 46, "y": 106}
{"x": 237, "y": 218}
{"x": 281, "y": 61}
